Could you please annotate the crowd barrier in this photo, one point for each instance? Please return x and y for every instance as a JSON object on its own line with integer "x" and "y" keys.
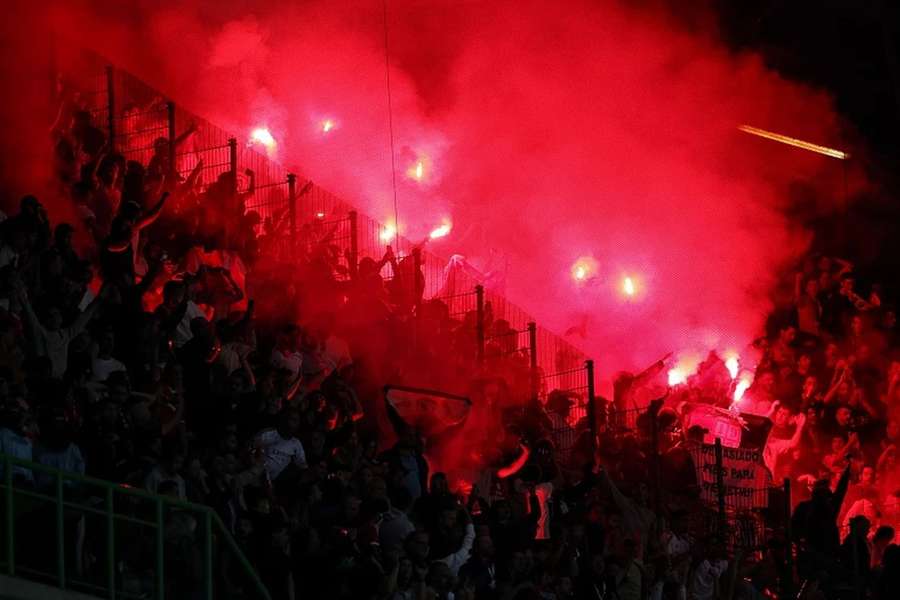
{"x": 138, "y": 117}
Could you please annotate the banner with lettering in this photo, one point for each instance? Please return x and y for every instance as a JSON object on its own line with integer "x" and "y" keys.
{"x": 746, "y": 479}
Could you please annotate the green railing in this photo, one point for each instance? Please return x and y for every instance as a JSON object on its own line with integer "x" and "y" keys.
{"x": 114, "y": 541}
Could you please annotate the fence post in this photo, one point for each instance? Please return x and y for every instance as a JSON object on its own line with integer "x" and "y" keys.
{"x": 654, "y": 432}
{"x": 60, "y": 532}
{"x": 111, "y": 107}
{"x": 292, "y": 207}
{"x": 788, "y": 583}
{"x": 233, "y": 184}
{"x": 479, "y": 324}
{"x": 720, "y": 486}
{"x": 417, "y": 268}
{"x": 232, "y": 163}
{"x": 110, "y": 544}
{"x": 10, "y": 518}
{"x": 160, "y": 550}
{"x": 170, "y": 110}
{"x": 208, "y": 554}
{"x": 532, "y": 352}
{"x": 353, "y": 258}
{"x": 591, "y": 406}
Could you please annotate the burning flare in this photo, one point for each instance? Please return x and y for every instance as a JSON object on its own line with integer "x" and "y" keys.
{"x": 388, "y": 233}
{"x": 628, "y": 286}
{"x": 264, "y": 137}
{"x": 677, "y": 376}
{"x": 441, "y": 231}
{"x": 733, "y": 364}
{"x": 740, "y": 388}
{"x": 584, "y": 268}
{"x": 327, "y": 125}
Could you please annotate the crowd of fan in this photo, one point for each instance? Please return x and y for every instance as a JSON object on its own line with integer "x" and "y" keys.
{"x": 158, "y": 344}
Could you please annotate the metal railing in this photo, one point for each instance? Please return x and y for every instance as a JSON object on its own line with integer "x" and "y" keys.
{"x": 136, "y": 533}
{"x": 136, "y": 115}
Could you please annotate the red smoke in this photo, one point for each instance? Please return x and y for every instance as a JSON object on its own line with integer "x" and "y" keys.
{"x": 551, "y": 131}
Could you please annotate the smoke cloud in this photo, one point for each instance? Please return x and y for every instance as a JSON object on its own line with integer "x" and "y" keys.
{"x": 547, "y": 132}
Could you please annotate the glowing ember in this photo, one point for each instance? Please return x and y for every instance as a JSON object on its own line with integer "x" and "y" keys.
{"x": 327, "y": 125}
{"x": 263, "y": 136}
{"x": 441, "y": 231}
{"x": 584, "y": 268}
{"x": 320, "y": 215}
{"x": 733, "y": 364}
{"x": 677, "y": 376}
{"x": 388, "y": 232}
{"x": 416, "y": 171}
{"x": 740, "y": 388}
{"x": 777, "y": 137}
{"x": 628, "y": 286}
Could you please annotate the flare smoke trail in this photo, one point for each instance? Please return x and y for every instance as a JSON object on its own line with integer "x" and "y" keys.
{"x": 547, "y": 133}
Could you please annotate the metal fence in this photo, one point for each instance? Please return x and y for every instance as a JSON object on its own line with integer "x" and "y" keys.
{"x": 293, "y": 210}
{"x": 137, "y": 537}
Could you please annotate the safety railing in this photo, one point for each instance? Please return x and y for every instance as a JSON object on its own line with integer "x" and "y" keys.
{"x": 115, "y": 541}
{"x": 293, "y": 210}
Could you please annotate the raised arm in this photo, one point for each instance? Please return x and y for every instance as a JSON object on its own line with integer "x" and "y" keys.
{"x": 86, "y": 315}
{"x": 33, "y": 322}
{"x": 832, "y": 391}
{"x": 186, "y": 134}
{"x": 841, "y": 490}
{"x": 801, "y": 422}
{"x": 153, "y": 214}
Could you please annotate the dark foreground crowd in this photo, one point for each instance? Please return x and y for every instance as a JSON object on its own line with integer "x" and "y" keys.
{"x": 153, "y": 342}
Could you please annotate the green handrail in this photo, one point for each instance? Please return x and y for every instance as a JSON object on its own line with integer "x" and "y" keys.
{"x": 210, "y": 526}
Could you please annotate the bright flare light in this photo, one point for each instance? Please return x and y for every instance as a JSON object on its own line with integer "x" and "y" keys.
{"x": 441, "y": 231}
{"x": 677, "y": 376}
{"x": 388, "y": 232}
{"x": 740, "y": 388}
{"x": 584, "y": 268}
{"x": 263, "y": 136}
{"x": 628, "y": 286}
{"x": 733, "y": 364}
{"x": 416, "y": 171}
{"x": 777, "y": 137}
{"x": 320, "y": 215}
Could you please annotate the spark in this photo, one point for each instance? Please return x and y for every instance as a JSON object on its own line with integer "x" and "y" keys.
{"x": 583, "y": 269}
{"x": 777, "y": 137}
{"x": 327, "y": 125}
{"x": 388, "y": 232}
{"x": 733, "y": 364}
{"x": 416, "y": 171}
{"x": 441, "y": 231}
{"x": 263, "y": 136}
{"x": 677, "y": 376}
{"x": 740, "y": 388}
{"x": 320, "y": 215}
{"x": 628, "y": 286}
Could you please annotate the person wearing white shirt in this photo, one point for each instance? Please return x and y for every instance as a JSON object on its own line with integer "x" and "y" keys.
{"x": 285, "y": 354}
{"x": 104, "y": 363}
{"x": 705, "y": 577}
{"x": 280, "y": 447}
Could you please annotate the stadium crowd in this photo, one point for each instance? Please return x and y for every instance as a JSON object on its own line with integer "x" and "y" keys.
{"x": 153, "y": 342}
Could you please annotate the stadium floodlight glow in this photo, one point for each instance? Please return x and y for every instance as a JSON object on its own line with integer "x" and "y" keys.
{"x": 777, "y": 137}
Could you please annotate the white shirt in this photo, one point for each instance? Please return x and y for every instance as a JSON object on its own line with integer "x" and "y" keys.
{"x": 183, "y": 332}
{"x": 279, "y": 452}
{"x": 156, "y": 477}
{"x": 703, "y": 584}
{"x": 292, "y": 361}
{"x": 102, "y": 367}
{"x": 8, "y": 256}
{"x": 337, "y": 353}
